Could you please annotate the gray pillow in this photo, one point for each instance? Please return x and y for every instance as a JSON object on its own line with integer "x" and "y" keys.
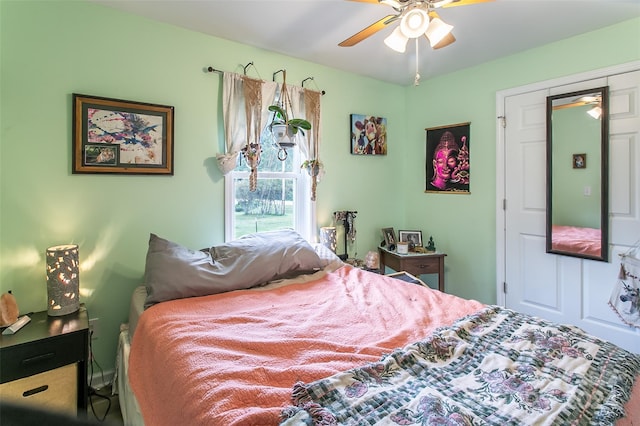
{"x": 174, "y": 272}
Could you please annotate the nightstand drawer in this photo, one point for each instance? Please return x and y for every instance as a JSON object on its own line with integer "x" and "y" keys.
{"x": 51, "y": 390}
{"x": 414, "y": 263}
{"x": 419, "y": 266}
{"x": 36, "y": 357}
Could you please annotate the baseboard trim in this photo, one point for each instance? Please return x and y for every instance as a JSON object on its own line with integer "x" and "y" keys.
{"x": 100, "y": 380}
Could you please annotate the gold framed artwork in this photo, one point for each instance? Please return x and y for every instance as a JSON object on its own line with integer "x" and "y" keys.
{"x": 121, "y": 137}
{"x": 447, "y": 161}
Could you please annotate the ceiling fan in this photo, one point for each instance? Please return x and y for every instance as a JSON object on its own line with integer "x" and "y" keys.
{"x": 417, "y": 17}
{"x": 595, "y": 100}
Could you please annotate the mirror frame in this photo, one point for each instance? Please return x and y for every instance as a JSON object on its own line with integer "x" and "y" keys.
{"x": 604, "y": 173}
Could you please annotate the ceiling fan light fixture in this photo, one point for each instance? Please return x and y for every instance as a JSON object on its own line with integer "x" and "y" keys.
{"x": 414, "y": 23}
{"x": 595, "y": 112}
{"x": 437, "y": 30}
{"x": 397, "y": 41}
{"x": 446, "y": 41}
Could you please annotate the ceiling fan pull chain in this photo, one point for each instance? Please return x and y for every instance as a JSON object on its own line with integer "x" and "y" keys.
{"x": 416, "y": 82}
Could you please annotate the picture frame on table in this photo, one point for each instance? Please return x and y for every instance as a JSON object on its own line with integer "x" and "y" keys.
{"x": 412, "y": 237}
{"x": 121, "y": 137}
{"x": 389, "y": 237}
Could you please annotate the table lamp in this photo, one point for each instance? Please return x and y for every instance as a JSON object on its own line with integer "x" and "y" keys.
{"x": 328, "y": 237}
{"x": 63, "y": 284}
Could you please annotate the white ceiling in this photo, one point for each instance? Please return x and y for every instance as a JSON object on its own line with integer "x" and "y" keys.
{"x": 312, "y": 29}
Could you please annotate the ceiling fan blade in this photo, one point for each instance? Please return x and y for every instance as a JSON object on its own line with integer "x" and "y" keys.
{"x": 570, "y": 105}
{"x": 446, "y": 41}
{"x": 369, "y": 31}
{"x": 462, "y": 3}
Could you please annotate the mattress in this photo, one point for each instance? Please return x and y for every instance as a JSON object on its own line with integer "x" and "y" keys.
{"x": 136, "y": 308}
{"x": 129, "y": 408}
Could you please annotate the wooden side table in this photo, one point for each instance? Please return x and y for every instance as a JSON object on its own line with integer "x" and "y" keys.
{"x": 414, "y": 263}
{"x": 45, "y": 362}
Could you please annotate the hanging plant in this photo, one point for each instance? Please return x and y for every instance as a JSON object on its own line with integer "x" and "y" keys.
{"x": 292, "y": 126}
{"x": 252, "y": 153}
{"x": 315, "y": 168}
{"x": 283, "y": 128}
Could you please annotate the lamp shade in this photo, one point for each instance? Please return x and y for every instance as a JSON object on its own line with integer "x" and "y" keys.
{"x": 437, "y": 30}
{"x": 446, "y": 41}
{"x": 414, "y": 23}
{"x": 63, "y": 280}
{"x": 328, "y": 237}
{"x": 595, "y": 112}
{"x": 397, "y": 41}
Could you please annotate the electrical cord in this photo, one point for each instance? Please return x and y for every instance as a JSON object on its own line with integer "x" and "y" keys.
{"x": 92, "y": 391}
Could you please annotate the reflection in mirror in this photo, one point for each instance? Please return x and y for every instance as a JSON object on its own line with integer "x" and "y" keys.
{"x": 577, "y": 172}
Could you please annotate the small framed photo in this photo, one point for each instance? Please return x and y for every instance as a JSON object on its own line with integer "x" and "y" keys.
{"x": 579, "y": 161}
{"x": 368, "y": 135}
{"x": 389, "y": 236}
{"x": 118, "y": 136}
{"x": 100, "y": 154}
{"x": 411, "y": 237}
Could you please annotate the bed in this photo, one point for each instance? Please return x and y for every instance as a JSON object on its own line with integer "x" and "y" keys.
{"x": 328, "y": 343}
{"x": 575, "y": 239}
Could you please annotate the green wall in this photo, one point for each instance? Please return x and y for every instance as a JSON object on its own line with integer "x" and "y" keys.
{"x": 574, "y": 132}
{"x": 51, "y": 49}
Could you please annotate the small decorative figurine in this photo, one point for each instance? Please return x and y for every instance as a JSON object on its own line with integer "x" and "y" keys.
{"x": 371, "y": 260}
{"x": 431, "y": 247}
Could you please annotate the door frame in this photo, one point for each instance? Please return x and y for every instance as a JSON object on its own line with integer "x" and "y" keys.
{"x": 501, "y": 154}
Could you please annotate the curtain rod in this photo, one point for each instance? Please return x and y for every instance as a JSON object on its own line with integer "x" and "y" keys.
{"x": 211, "y": 69}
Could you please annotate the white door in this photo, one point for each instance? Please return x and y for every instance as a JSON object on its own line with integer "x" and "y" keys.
{"x": 561, "y": 288}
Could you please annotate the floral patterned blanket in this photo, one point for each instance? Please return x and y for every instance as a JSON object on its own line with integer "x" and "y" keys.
{"x": 494, "y": 367}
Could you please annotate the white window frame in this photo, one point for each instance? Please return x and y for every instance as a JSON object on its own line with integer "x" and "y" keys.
{"x": 304, "y": 209}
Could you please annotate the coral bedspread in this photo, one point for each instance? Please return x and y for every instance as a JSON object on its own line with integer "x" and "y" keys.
{"x": 575, "y": 239}
{"x": 233, "y": 358}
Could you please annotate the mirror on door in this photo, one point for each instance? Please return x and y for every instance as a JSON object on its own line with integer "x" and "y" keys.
{"x": 577, "y": 159}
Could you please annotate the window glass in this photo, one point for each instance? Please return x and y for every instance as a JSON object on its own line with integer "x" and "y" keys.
{"x": 281, "y": 199}
{"x": 269, "y": 207}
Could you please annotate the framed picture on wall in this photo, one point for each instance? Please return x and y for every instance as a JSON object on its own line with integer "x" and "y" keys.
{"x": 368, "y": 135}
{"x": 579, "y": 161}
{"x": 118, "y": 136}
{"x": 448, "y": 161}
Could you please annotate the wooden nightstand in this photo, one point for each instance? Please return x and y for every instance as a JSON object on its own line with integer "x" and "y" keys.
{"x": 45, "y": 363}
{"x": 414, "y": 263}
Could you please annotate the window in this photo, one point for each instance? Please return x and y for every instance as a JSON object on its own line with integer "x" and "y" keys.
{"x": 281, "y": 199}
